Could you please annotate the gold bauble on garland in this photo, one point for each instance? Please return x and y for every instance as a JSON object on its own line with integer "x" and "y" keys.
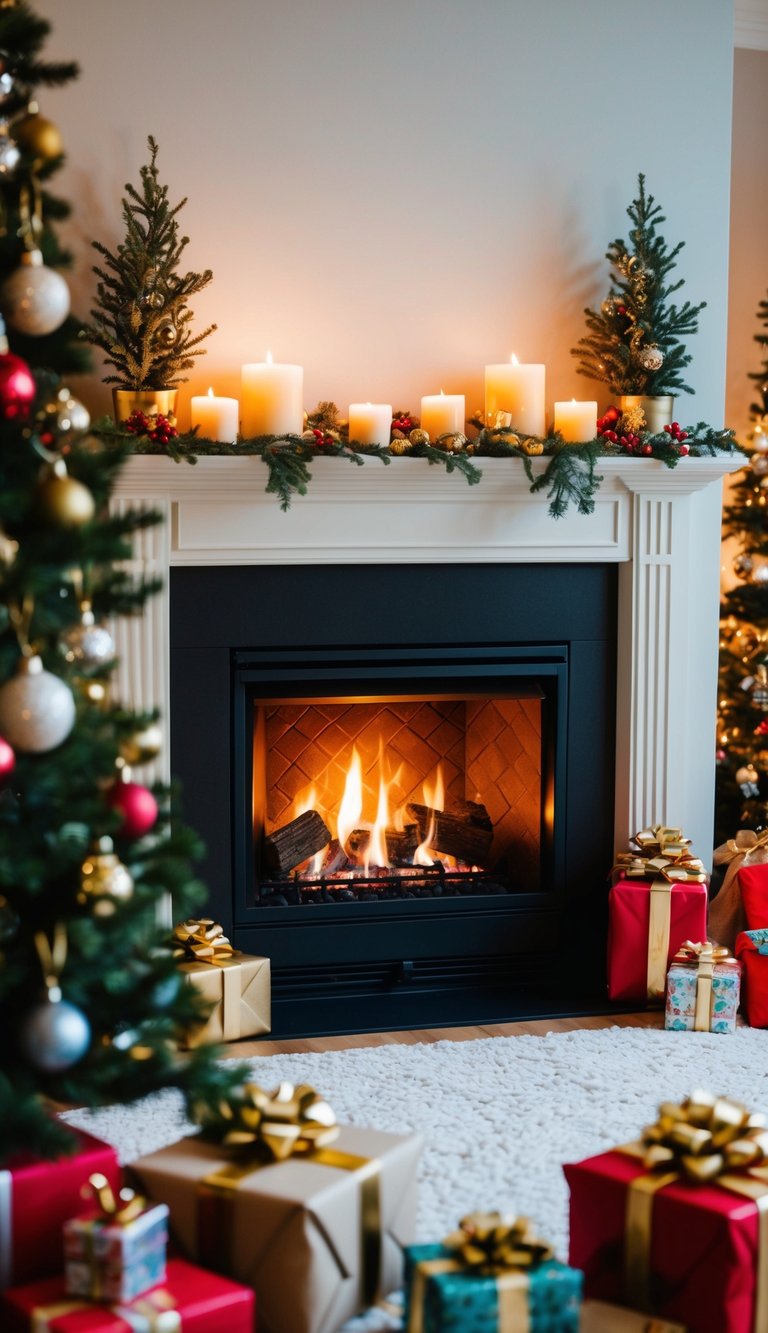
{"x": 453, "y": 442}
{"x": 142, "y": 745}
{"x": 38, "y": 137}
{"x": 104, "y": 880}
{"x": 419, "y": 436}
{"x": 532, "y": 447}
{"x": 400, "y": 445}
{"x": 60, "y": 501}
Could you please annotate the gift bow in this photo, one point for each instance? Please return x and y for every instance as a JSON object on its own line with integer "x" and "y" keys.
{"x": 744, "y": 844}
{"x": 493, "y": 1243}
{"x": 697, "y": 955}
{"x": 121, "y": 1210}
{"x": 704, "y": 1137}
{"x": 661, "y": 841}
{"x": 671, "y": 863}
{"x": 201, "y": 940}
{"x": 292, "y": 1119}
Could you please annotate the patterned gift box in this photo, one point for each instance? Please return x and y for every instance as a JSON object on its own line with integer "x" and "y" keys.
{"x": 118, "y": 1253}
{"x": 237, "y": 986}
{"x": 703, "y": 986}
{"x": 490, "y": 1277}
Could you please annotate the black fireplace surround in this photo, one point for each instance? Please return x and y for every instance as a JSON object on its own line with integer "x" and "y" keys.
{"x": 240, "y": 635}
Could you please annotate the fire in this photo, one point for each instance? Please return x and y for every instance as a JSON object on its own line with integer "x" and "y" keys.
{"x": 351, "y": 808}
{"x": 434, "y": 797}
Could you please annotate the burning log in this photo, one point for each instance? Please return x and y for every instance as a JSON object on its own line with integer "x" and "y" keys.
{"x": 466, "y": 833}
{"x": 295, "y": 842}
{"x": 401, "y": 843}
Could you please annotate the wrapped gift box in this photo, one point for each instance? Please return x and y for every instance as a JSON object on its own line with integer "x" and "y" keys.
{"x": 598, "y": 1317}
{"x": 712, "y": 988}
{"x": 753, "y": 884}
{"x": 703, "y": 1247}
{"x": 301, "y": 1232}
{"x": 752, "y": 953}
{"x": 726, "y": 910}
{"x": 629, "y": 910}
{"x": 462, "y": 1302}
{"x": 110, "y": 1260}
{"x": 37, "y": 1198}
{"x": 189, "y": 1301}
{"x": 238, "y": 986}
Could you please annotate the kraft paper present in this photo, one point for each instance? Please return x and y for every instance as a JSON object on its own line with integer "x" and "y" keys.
{"x": 240, "y": 988}
{"x": 599, "y": 1317}
{"x": 292, "y": 1230}
{"x": 727, "y": 914}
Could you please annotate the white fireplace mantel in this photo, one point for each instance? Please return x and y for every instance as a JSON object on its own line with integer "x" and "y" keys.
{"x": 661, "y": 526}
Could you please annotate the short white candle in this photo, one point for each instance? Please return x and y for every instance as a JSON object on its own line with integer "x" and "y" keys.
{"x": 215, "y": 418}
{"x": 518, "y": 390}
{"x": 370, "y": 423}
{"x": 576, "y": 422}
{"x": 442, "y": 412}
{"x": 272, "y": 398}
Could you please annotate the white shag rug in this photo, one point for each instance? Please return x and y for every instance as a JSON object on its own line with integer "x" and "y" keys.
{"x": 498, "y": 1115}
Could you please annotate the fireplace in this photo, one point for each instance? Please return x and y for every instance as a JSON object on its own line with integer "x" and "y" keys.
{"x": 417, "y": 598}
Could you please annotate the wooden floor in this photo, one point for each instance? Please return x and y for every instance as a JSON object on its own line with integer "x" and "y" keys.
{"x": 536, "y": 1028}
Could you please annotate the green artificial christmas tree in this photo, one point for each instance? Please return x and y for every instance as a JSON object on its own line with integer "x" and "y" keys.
{"x": 33, "y": 296}
{"x": 634, "y": 343}
{"x": 142, "y": 320}
{"x": 742, "y": 753}
{"x": 91, "y": 1000}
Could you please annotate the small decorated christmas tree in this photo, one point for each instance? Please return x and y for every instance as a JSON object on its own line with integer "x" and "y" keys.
{"x": 142, "y": 320}
{"x": 34, "y": 297}
{"x": 91, "y": 1000}
{"x": 635, "y": 340}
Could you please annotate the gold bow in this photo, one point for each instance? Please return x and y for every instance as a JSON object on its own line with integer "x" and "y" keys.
{"x": 201, "y": 940}
{"x": 692, "y": 955}
{"x": 492, "y": 1243}
{"x": 704, "y": 1137}
{"x": 292, "y": 1119}
{"x": 744, "y": 844}
{"x": 121, "y": 1210}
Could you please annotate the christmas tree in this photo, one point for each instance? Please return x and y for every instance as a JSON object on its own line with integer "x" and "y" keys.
{"x": 742, "y": 753}
{"x": 90, "y": 996}
{"x": 142, "y": 321}
{"x": 635, "y": 342}
{"x": 33, "y": 296}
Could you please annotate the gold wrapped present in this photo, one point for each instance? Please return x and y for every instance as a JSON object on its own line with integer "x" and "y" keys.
{"x": 599, "y": 1317}
{"x": 313, "y": 1217}
{"x": 238, "y": 985}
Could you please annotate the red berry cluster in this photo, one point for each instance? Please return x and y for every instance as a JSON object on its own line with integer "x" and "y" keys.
{"x": 158, "y": 429}
{"x": 322, "y": 437}
{"x": 404, "y": 422}
{"x": 606, "y": 427}
{"x": 678, "y": 436}
{"x": 761, "y": 729}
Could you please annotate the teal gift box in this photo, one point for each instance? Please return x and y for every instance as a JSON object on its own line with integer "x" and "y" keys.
{"x": 443, "y": 1296}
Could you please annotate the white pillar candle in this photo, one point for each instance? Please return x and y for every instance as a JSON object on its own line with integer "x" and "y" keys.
{"x": 576, "y": 422}
{"x": 215, "y": 418}
{"x": 441, "y": 412}
{"x": 518, "y": 390}
{"x": 272, "y": 398}
{"x": 370, "y": 423}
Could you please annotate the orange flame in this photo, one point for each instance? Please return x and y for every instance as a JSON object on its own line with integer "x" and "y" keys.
{"x": 434, "y": 797}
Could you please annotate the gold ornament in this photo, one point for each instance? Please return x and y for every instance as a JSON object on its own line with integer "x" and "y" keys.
{"x": 532, "y": 447}
{"x": 399, "y": 444}
{"x": 104, "y": 880}
{"x": 633, "y": 420}
{"x": 142, "y": 745}
{"x": 166, "y": 333}
{"x": 419, "y": 436}
{"x": 453, "y": 442}
{"x": 60, "y": 500}
{"x": 37, "y": 137}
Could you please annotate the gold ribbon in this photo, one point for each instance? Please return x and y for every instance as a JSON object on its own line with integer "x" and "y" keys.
{"x": 670, "y": 862}
{"x": 744, "y": 844}
{"x": 201, "y": 940}
{"x": 291, "y": 1121}
{"x": 119, "y": 1211}
{"x": 704, "y": 957}
{"x": 488, "y": 1245}
{"x": 702, "y": 1140}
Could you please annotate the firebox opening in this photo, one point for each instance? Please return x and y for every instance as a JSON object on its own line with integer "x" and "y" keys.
{"x": 372, "y": 797}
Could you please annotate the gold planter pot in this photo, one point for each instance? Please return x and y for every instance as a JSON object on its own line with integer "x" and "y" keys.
{"x": 658, "y": 410}
{"x": 152, "y": 402}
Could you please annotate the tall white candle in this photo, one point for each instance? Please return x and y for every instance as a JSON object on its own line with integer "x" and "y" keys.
{"x": 576, "y": 422}
{"x": 272, "y": 398}
{"x": 370, "y": 423}
{"x": 215, "y": 418}
{"x": 520, "y": 391}
{"x": 441, "y": 412}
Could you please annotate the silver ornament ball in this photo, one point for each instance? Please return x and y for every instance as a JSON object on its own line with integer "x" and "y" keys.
{"x": 759, "y": 464}
{"x": 651, "y": 358}
{"x": 54, "y": 1035}
{"x": 37, "y": 709}
{"x": 88, "y": 644}
{"x": 33, "y": 298}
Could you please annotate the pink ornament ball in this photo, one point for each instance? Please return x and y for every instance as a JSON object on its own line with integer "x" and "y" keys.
{"x": 7, "y": 760}
{"x": 136, "y": 804}
{"x": 17, "y": 387}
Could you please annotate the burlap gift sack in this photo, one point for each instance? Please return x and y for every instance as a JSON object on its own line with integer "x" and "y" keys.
{"x": 726, "y": 911}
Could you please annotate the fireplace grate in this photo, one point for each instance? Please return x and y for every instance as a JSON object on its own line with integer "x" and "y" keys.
{"x": 427, "y": 882}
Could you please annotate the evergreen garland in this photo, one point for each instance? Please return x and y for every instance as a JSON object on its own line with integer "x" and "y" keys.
{"x": 761, "y": 376}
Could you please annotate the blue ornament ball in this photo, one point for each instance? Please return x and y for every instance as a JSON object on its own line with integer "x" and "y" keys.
{"x": 54, "y": 1035}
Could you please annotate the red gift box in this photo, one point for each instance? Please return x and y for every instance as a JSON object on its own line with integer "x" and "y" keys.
{"x": 629, "y": 909}
{"x": 189, "y": 1301}
{"x": 754, "y": 980}
{"x": 703, "y": 1252}
{"x": 37, "y": 1198}
{"x": 753, "y": 882}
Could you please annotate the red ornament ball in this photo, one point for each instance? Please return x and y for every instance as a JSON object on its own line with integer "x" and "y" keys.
{"x": 611, "y": 414}
{"x": 136, "y": 804}
{"x": 647, "y": 450}
{"x": 17, "y": 387}
{"x": 7, "y": 760}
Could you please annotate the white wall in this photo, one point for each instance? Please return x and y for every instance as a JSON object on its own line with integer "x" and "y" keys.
{"x": 749, "y": 234}
{"x": 395, "y": 192}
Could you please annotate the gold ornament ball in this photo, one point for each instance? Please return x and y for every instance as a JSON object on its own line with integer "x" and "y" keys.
{"x": 507, "y": 437}
{"x": 61, "y": 501}
{"x": 104, "y": 880}
{"x": 419, "y": 436}
{"x": 37, "y": 137}
{"x": 142, "y": 745}
{"x": 400, "y": 445}
{"x": 453, "y": 442}
{"x": 532, "y": 447}
{"x": 166, "y": 334}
